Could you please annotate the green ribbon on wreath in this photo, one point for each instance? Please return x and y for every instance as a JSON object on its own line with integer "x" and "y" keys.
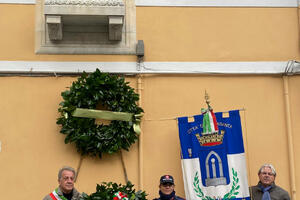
{"x": 110, "y": 115}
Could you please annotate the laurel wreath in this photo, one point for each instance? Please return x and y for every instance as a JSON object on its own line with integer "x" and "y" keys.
{"x": 106, "y": 191}
{"x": 230, "y": 195}
{"x": 88, "y": 92}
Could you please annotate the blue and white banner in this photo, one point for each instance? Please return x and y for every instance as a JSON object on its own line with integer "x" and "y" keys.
{"x": 213, "y": 165}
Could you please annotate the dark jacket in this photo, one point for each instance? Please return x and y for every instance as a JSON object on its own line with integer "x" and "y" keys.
{"x": 176, "y": 198}
{"x": 276, "y": 193}
{"x": 76, "y": 195}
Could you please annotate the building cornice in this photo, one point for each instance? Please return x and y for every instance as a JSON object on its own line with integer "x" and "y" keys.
{"x": 276, "y": 67}
{"x": 196, "y": 3}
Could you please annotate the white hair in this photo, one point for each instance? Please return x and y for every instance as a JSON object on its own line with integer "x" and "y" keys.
{"x": 269, "y": 166}
{"x": 67, "y": 168}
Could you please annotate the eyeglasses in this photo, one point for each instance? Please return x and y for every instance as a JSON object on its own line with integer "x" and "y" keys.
{"x": 167, "y": 184}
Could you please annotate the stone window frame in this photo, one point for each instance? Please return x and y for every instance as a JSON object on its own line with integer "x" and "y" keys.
{"x": 126, "y": 47}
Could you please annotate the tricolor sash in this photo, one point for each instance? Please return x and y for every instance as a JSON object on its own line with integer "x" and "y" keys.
{"x": 55, "y": 196}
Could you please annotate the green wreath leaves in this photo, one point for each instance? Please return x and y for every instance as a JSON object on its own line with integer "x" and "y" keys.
{"x": 234, "y": 188}
{"x": 230, "y": 195}
{"x": 88, "y": 92}
{"x": 106, "y": 191}
{"x": 198, "y": 190}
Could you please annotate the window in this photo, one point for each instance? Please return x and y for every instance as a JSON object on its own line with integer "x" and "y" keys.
{"x": 85, "y": 27}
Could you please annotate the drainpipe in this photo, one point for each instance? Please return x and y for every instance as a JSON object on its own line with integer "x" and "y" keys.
{"x": 141, "y": 146}
{"x": 140, "y": 60}
{"x": 289, "y": 137}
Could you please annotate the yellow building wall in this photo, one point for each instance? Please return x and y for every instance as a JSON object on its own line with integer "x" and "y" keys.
{"x": 218, "y": 34}
{"x": 263, "y": 126}
{"x": 176, "y": 34}
{"x": 32, "y": 149}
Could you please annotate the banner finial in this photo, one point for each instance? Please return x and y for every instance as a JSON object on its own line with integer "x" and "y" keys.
{"x": 207, "y": 100}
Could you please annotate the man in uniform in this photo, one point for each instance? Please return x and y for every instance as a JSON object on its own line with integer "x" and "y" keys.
{"x": 266, "y": 188}
{"x": 166, "y": 189}
{"x": 65, "y": 190}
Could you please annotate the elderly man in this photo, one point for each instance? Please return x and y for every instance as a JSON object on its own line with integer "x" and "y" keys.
{"x": 266, "y": 188}
{"x": 166, "y": 189}
{"x": 65, "y": 190}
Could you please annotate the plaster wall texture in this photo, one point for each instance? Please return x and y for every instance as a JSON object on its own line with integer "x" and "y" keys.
{"x": 177, "y": 34}
{"x": 33, "y": 150}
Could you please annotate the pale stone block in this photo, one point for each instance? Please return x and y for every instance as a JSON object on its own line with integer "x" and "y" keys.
{"x": 54, "y": 24}
{"x": 115, "y": 27}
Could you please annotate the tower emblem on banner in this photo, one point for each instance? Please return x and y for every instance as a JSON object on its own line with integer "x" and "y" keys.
{"x": 213, "y": 160}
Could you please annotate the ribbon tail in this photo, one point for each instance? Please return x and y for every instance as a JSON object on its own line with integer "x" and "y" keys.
{"x": 137, "y": 128}
{"x": 137, "y": 124}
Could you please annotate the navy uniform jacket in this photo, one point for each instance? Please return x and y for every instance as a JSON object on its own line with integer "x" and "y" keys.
{"x": 176, "y": 198}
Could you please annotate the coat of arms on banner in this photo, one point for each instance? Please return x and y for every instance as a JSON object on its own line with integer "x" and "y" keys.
{"x": 213, "y": 159}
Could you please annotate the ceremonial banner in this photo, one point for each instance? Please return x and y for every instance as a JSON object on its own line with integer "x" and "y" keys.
{"x": 212, "y": 157}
